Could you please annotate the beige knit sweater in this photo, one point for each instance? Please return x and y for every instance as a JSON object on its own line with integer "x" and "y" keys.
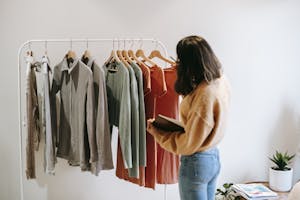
{"x": 203, "y": 113}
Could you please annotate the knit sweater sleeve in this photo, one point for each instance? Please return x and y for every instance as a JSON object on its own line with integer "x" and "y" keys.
{"x": 196, "y": 132}
{"x": 198, "y": 125}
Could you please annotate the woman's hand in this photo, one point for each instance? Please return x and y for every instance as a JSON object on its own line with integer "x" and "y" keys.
{"x": 150, "y": 128}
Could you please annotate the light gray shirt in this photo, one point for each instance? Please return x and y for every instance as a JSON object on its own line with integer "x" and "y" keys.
{"x": 77, "y": 138}
{"x": 43, "y": 88}
{"x": 102, "y": 124}
{"x": 50, "y": 157}
{"x": 119, "y": 108}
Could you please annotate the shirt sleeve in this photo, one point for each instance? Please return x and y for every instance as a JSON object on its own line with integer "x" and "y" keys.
{"x": 199, "y": 125}
{"x": 102, "y": 128}
{"x": 142, "y": 123}
{"x": 134, "y": 171}
{"x": 53, "y": 102}
{"x": 160, "y": 78}
{"x": 90, "y": 119}
{"x": 125, "y": 121}
{"x": 50, "y": 138}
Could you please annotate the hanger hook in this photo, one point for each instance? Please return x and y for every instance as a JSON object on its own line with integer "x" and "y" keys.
{"x": 156, "y": 44}
{"x": 124, "y": 43}
{"x": 29, "y": 53}
{"x": 29, "y": 46}
{"x": 141, "y": 43}
{"x": 71, "y": 45}
{"x": 87, "y": 43}
{"x": 132, "y": 43}
{"x": 113, "y": 43}
{"x": 46, "y": 46}
{"x": 118, "y": 43}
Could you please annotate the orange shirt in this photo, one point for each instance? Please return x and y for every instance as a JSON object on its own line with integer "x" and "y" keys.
{"x": 146, "y": 78}
{"x": 167, "y": 162}
{"x": 158, "y": 89}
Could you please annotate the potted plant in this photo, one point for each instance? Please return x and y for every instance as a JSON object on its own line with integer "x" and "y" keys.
{"x": 226, "y": 193}
{"x": 281, "y": 175}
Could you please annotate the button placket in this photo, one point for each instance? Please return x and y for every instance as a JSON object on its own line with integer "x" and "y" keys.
{"x": 70, "y": 109}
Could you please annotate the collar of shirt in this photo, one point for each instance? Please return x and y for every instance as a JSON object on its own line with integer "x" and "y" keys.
{"x": 90, "y": 63}
{"x": 114, "y": 66}
{"x": 46, "y": 64}
{"x": 45, "y": 59}
{"x": 65, "y": 65}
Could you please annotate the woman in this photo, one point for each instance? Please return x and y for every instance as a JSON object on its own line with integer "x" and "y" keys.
{"x": 203, "y": 112}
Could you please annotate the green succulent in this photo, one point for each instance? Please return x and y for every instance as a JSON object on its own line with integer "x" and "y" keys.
{"x": 282, "y": 161}
{"x": 226, "y": 193}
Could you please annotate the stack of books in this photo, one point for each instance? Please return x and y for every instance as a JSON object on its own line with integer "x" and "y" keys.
{"x": 254, "y": 191}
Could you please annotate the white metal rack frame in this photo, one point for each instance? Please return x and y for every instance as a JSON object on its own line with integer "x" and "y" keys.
{"x": 70, "y": 41}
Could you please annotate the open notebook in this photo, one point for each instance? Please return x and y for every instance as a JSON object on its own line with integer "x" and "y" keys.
{"x": 168, "y": 124}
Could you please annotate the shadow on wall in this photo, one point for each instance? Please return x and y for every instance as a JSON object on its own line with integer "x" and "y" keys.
{"x": 286, "y": 135}
{"x": 69, "y": 182}
{"x": 55, "y": 186}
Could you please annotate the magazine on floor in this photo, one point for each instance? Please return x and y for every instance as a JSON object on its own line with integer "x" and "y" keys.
{"x": 254, "y": 191}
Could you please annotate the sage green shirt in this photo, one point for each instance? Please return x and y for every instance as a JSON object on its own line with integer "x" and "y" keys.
{"x": 119, "y": 107}
{"x": 134, "y": 100}
{"x": 142, "y": 117}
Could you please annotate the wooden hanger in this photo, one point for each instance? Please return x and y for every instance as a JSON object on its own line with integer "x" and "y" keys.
{"x": 86, "y": 57}
{"x": 119, "y": 53}
{"x": 113, "y": 55}
{"x": 86, "y": 54}
{"x": 133, "y": 57}
{"x": 140, "y": 53}
{"x": 112, "y": 58}
{"x": 157, "y": 54}
{"x": 71, "y": 56}
{"x": 126, "y": 56}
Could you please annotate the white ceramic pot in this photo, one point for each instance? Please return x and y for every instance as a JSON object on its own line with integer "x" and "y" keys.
{"x": 280, "y": 181}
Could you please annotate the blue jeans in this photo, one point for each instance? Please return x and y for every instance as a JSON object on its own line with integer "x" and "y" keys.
{"x": 198, "y": 175}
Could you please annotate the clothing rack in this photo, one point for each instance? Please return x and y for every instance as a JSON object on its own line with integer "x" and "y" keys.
{"x": 71, "y": 41}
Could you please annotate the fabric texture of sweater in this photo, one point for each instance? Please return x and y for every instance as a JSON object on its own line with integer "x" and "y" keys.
{"x": 203, "y": 113}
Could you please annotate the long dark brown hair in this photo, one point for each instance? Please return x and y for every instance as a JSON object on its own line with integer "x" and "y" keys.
{"x": 196, "y": 63}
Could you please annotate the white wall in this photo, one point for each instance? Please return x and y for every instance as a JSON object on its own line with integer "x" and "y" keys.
{"x": 257, "y": 41}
